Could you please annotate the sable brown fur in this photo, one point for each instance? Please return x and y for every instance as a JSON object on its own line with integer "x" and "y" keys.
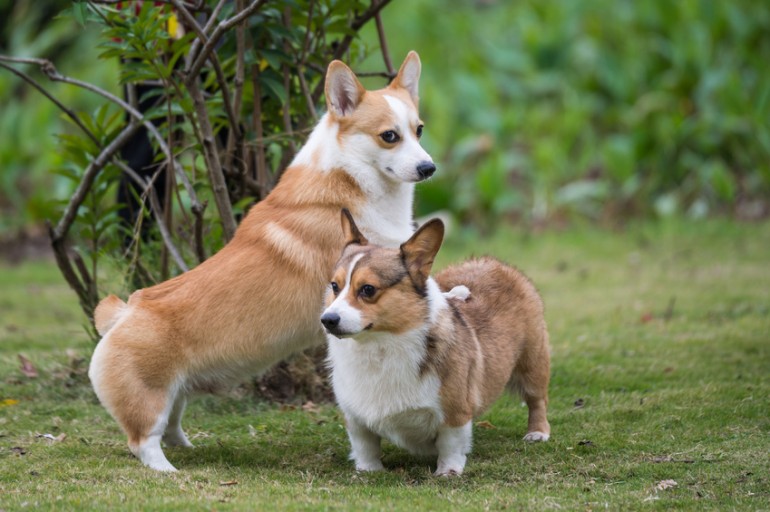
{"x": 504, "y": 316}
{"x": 415, "y": 359}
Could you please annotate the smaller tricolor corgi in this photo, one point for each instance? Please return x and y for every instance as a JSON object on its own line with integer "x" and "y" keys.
{"x": 414, "y": 358}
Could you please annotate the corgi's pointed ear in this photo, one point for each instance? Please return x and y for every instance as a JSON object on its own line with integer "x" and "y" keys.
{"x": 419, "y": 251}
{"x": 343, "y": 90}
{"x": 350, "y": 230}
{"x": 408, "y": 76}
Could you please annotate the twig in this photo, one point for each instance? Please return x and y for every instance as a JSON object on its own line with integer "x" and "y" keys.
{"x": 210, "y": 153}
{"x": 96, "y": 165}
{"x": 194, "y": 68}
{"x": 358, "y": 22}
{"x": 214, "y": 60}
{"x": 206, "y": 29}
{"x": 71, "y": 114}
{"x": 58, "y": 234}
{"x": 240, "y": 63}
{"x": 260, "y": 164}
{"x": 384, "y": 45}
{"x": 301, "y": 64}
{"x": 286, "y": 107}
{"x": 196, "y": 7}
{"x": 50, "y": 71}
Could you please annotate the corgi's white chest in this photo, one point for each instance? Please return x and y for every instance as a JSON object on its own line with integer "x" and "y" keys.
{"x": 379, "y": 383}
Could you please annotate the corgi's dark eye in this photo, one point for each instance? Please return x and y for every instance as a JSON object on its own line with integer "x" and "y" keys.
{"x": 335, "y": 288}
{"x": 367, "y": 291}
{"x": 419, "y": 131}
{"x": 390, "y": 137}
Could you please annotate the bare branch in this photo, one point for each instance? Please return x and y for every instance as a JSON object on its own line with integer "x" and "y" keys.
{"x": 286, "y": 107}
{"x": 358, "y": 22}
{"x": 193, "y": 69}
{"x": 384, "y": 45}
{"x": 195, "y": 7}
{"x": 50, "y": 71}
{"x": 196, "y": 44}
{"x": 71, "y": 114}
{"x": 232, "y": 113}
{"x": 63, "y": 226}
{"x": 210, "y": 153}
{"x": 301, "y": 64}
{"x": 260, "y": 164}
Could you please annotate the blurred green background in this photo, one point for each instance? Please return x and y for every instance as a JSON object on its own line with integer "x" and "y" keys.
{"x": 538, "y": 113}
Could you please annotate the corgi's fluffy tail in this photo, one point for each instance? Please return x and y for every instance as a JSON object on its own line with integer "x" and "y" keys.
{"x": 107, "y": 313}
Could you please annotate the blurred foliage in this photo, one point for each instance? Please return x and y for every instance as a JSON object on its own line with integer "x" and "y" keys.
{"x": 28, "y": 121}
{"x": 536, "y": 111}
{"x": 598, "y": 109}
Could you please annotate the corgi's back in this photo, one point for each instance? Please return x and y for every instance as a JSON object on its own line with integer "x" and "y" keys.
{"x": 506, "y": 312}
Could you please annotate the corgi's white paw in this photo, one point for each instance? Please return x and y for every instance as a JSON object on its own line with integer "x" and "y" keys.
{"x": 460, "y": 292}
{"x": 449, "y": 470}
{"x": 451, "y": 465}
{"x": 535, "y": 437}
{"x": 176, "y": 438}
{"x": 370, "y": 466}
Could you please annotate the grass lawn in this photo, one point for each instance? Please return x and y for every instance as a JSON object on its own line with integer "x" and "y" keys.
{"x": 660, "y": 397}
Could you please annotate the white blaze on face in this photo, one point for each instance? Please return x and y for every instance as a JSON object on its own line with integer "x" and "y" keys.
{"x": 404, "y": 158}
{"x": 351, "y": 322}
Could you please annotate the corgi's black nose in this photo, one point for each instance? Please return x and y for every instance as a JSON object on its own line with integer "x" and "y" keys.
{"x": 330, "y": 320}
{"x": 426, "y": 169}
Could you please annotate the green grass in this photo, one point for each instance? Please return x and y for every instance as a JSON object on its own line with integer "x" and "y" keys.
{"x": 661, "y": 330}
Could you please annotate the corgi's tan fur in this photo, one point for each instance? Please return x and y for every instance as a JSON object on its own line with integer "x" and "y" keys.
{"x": 414, "y": 359}
{"x": 257, "y": 300}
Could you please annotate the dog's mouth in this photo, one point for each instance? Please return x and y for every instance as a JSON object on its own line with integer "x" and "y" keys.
{"x": 338, "y": 333}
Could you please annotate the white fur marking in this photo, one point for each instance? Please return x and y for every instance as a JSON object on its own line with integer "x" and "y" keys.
{"x": 290, "y": 247}
{"x": 453, "y": 443}
{"x": 149, "y": 451}
{"x": 350, "y": 317}
{"x": 534, "y": 437}
{"x": 437, "y": 300}
{"x": 365, "y": 447}
{"x": 460, "y": 292}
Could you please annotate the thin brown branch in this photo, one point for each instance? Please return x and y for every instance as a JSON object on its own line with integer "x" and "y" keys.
{"x": 230, "y": 110}
{"x": 211, "y": 155}
{"x": 358, "y": 22}
{"x": 260, "y": 164}
{"x": 148, "y": 191}
{"x": 70, "y": 113}
{"x": 286, "y": 107}
{"x": 195, "y": 7}
{"x": 61, "y": 254}
{"x": 384, "y": 45}
{"x": 50, "y": 71}
{"x": 301, "y": 64}
{"x": 70, "y": 211}
{"x": 240, "y": 62}
{"x": 194, "y": 68}
{"x": 196, "y": 44}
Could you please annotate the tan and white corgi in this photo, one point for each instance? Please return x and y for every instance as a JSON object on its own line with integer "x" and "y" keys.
{"x": 257, "y": 300}
{"x": 414, "y": 359}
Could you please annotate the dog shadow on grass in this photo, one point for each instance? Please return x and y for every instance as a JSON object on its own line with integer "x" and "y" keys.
{"x": 326, "y": 456}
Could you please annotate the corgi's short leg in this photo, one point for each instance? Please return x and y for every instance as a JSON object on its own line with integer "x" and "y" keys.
{"x": 530, "y": 380}
{"x": 538, "y": 428}
{"x": 453, "y": 443}
{"x": 365, "y": 446}
{"x": 146, "y": 429}
{"x": 174, "y": 435}
{"x": 150, "y": 453}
